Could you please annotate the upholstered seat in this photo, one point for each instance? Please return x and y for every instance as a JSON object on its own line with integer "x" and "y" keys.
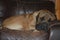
{"x": 17, "y": 8}
{"x": 23, "y": 35}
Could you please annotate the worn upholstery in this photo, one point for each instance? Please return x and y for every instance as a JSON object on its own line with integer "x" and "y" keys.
{"x": 23, "y": 35}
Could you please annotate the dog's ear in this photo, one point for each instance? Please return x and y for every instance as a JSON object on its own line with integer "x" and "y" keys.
{"x": 36, "y": 13}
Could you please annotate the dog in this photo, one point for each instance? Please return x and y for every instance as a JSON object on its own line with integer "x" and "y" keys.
{"x": 27, "y": 21}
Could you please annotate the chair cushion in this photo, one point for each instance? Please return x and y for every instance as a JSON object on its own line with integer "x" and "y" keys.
{"x": 23, "y": 35}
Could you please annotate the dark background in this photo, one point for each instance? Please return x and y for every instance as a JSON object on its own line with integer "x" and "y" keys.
{"x": 10, "y": 8}
{"x": 15, "y": 7}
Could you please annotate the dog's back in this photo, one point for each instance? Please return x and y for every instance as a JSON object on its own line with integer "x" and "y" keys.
{"x": 21, "y": 22}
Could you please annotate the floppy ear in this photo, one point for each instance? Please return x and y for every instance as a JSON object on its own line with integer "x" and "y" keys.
{"x": 36, "y": 13}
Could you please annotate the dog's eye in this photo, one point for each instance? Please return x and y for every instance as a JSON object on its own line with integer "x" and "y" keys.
{"x": 49, "y": 20}
{"x": 42, "y": 18}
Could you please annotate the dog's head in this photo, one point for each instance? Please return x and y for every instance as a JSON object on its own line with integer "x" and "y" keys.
{"x": 45, "y": 16}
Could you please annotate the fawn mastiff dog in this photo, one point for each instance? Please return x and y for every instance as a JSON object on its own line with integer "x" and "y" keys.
{"x": 26, "y": 21}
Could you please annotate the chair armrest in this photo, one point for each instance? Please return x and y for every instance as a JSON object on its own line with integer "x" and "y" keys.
{"x": 55, "y": 32}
